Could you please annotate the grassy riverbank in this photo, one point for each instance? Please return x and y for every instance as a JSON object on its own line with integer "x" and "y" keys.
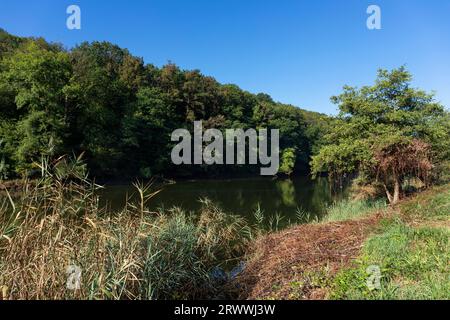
{"x": 409, "y": 243}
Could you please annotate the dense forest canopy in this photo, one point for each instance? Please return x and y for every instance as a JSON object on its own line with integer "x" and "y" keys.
{"x": 100, "y": 100}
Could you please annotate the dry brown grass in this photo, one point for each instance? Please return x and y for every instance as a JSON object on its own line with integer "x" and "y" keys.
{"x": 292, "y": 264}
{"x": 36, "y": 259}
{"x": 56, "y": 222}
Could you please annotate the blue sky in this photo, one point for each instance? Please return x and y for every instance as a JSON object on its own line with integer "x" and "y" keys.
{"x": 298, "y": 51}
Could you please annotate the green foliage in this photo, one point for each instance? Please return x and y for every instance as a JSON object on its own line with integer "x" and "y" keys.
{"x": 287, "y": 161}
{"x": 388, "y": 132}
{"x": 8, "y": 42}
{"x": 36, "y": 76}
{"x": 99, "y": 99}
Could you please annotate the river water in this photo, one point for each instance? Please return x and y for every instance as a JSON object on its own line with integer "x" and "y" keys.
{"x": 282, "y": 197}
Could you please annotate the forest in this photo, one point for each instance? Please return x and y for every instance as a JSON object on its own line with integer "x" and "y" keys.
{"x": 99, "y": 100}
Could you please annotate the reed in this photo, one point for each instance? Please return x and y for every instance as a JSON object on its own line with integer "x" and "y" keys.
{"x": 56, "y": 223}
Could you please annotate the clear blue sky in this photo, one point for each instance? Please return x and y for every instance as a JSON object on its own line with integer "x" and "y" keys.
{"x": 298, "y": 51}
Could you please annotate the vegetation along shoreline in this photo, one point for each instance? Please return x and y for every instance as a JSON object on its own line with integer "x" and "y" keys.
{"x": 95, "y": 112}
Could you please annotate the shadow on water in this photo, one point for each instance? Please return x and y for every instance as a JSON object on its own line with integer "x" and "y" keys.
{"x": 242, "y": 196}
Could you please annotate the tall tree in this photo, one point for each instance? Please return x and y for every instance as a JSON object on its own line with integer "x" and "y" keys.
{"x": 37, "y": 77}
{"x": 386, "y": 133}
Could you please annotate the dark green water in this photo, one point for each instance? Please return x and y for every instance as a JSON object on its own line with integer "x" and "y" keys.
{"x": 239, "y": 196}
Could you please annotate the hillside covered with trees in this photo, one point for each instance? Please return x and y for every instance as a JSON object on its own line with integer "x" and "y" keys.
{"x": 99, "y": 100}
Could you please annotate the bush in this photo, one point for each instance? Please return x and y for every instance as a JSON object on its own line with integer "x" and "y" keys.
{"x": 172, "y": 268}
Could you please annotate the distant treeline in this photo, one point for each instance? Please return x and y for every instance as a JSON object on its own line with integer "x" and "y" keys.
{"x": 100, "y": 100}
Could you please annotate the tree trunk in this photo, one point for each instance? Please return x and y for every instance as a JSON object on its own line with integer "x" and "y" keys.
{"x": 393, "y": 198}
{"x": 396, "y": 197}
{"x": 388, "y": 194}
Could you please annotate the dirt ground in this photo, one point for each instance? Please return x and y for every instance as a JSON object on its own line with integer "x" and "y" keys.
{"x": 296, "y": 263}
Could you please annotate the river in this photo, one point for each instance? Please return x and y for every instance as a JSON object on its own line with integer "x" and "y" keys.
{"x": 239, "y": 196}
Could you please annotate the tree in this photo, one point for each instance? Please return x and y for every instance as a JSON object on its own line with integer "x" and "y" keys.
{"x": 102, "y": 88}
{"x": 291, "y": 123}
{"x": 386, "y": 133}
{"x": 287, "y": 161}
{"x": 36, "y": 75}
{"x": 146, "y": 131}
{"x": 8, "y": 42}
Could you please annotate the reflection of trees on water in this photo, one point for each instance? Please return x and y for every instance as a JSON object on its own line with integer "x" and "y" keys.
{"x": 286, "y": 188}
{"x": 241, "y": 196}
{"x": 313, "y": 196}
{"x": 325, "y": 193}
{"x": 320, "y": 195}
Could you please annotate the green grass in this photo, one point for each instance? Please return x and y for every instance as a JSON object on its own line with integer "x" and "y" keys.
{"x": 348, "y": 209}
{"x": 429, "y": 207}
{"x": 413, "y": 256}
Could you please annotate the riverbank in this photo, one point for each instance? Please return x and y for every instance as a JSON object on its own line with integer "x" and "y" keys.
{"x": 408, "y": 244}
{"x": 55, "y": 230}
